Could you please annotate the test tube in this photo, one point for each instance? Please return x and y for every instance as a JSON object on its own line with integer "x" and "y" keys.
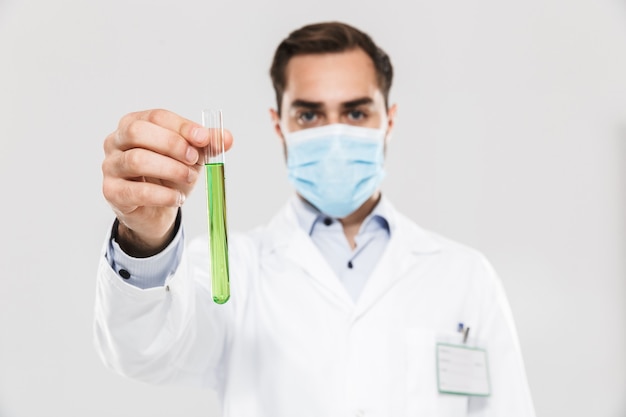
{"x": 216, "y": 205}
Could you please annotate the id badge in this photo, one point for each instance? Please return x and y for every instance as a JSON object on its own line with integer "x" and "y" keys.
{"x": 462, "y": 370}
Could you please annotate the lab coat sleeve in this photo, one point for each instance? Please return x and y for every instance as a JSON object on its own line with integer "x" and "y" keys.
{"x": 170, "y": 334}
{"x": 510, "y": 393}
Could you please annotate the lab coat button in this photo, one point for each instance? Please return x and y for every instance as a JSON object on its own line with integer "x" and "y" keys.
{"x": 359, "y": 413}
{"x": 124, "y": 274}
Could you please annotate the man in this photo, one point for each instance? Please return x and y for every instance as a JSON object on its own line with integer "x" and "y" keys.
{"x": 340, "y": 304}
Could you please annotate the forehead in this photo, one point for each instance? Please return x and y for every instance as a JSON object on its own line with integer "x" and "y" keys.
{"x": 330, "y": 77}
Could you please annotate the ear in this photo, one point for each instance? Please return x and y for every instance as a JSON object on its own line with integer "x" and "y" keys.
{"x": 391, "y": 121}
{"x": 276, "y": 122}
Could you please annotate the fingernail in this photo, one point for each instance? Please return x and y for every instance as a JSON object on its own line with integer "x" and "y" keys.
{"x": 191, "y": 156}
{"x": 200, "y": 134}
{"x": 181, "y": 199}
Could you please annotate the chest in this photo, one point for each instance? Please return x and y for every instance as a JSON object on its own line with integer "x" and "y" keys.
{"x": 312, "y": 341}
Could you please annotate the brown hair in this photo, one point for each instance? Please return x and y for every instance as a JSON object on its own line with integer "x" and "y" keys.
{"x": 328, "y": 37}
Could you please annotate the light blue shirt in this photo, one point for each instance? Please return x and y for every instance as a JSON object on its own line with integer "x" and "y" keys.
{"x": 351, "y": 266}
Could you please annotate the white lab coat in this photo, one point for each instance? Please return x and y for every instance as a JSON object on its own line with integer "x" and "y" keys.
{"x": 291, "y": 342}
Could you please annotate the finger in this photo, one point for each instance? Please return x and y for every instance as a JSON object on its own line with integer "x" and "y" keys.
{"x": 202, "y": 137}
{"x": 138, "y": 162}
{"x": 160, "y": 117}
{"x": 146, "y": 135}
{"x": 127, "y": 196}
{"x": 219, "y": 141}
{"x": 185, "y": 189}
{"x": 228, "y": 140}
{"x": 191, "y": 131}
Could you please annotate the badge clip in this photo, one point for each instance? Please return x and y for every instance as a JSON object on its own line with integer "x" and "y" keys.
{"x": 465, "y": 330}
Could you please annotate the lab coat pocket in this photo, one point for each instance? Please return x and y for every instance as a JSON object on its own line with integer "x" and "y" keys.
{"x": 423, "y": 397}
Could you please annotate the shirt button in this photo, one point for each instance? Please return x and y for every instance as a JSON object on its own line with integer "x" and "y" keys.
{"x": 328, "y": 221}
{"x": 124, "y": 274}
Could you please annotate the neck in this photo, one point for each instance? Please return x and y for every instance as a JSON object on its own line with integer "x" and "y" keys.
{"x": 352, "y": 223}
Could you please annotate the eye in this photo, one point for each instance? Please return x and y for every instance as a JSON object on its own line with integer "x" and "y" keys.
{"x": 356, "y": 115}
{"x": 307, "y": 117}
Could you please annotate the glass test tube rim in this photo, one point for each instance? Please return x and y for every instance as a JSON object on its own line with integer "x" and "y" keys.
{"x": 214, "y": 151}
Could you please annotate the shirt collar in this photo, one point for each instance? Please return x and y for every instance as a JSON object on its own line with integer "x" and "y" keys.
{"x": 309, "y": 217}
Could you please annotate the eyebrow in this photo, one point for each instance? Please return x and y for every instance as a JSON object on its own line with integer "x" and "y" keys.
{"x": 312, "y": 105}
{"x": 316, "y": 105}
{"x": 356, "y": 103}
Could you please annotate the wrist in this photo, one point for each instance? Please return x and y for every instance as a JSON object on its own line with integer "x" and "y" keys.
{"x": 140, "y": 246}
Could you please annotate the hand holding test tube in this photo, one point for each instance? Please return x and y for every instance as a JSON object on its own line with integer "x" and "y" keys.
{"x": 216, "y": 205}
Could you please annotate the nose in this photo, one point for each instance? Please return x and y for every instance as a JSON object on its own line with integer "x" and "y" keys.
{"x": 333, "y": 117}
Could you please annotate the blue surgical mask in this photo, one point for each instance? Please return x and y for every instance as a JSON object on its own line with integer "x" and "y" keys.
{"x": 336, "y": 167}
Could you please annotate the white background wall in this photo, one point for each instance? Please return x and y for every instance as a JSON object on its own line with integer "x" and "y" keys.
{"x": 511, "y": 138}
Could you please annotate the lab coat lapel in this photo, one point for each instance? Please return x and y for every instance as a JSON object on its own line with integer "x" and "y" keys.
{"x": 286, "y": 238}
{"x": 407, "y": 246}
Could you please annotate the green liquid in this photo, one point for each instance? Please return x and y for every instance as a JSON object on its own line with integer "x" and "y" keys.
{"x": 218, "y": 240}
